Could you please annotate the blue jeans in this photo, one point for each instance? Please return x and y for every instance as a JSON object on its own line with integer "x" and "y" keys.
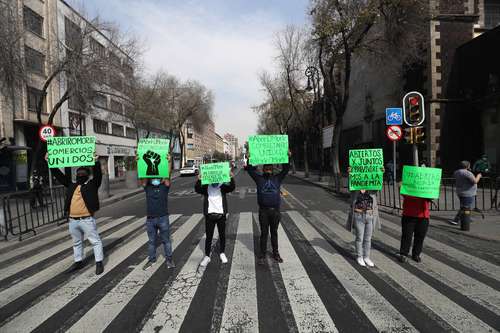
{"x": 466, "y": 203}
{"x": 79, "y": 229}
{"x": 363, "y": 225}
{"x": 161, "y": 225}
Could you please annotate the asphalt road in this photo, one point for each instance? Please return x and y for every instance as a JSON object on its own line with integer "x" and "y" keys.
{"x": 318, "y": 288}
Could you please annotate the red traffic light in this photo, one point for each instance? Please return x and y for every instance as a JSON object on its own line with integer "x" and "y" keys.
{"x": 413, "y": 101}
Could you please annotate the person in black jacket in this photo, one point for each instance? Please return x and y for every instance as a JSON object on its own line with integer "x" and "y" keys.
{"x": 269, "y": 200}
{"x": 215, "y": 211}
{"x": 81, "y": 203}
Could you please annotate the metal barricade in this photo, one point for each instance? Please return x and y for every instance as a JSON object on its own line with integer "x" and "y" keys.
{"x": 486, "y": 198}
{"x": 24, "y": 211}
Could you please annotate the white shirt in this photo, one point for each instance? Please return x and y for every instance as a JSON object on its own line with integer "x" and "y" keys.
{"x": 215, "y": 205}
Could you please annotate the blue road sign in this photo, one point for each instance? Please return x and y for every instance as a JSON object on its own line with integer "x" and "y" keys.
{"x": 393, "y": 116}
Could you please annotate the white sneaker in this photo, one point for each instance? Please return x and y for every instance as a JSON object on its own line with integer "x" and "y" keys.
{"x": 205, "y": 261}
{"x": 361, "y": 262}
{"x": 368, "y": 262}
{"x": 223, "y": 258}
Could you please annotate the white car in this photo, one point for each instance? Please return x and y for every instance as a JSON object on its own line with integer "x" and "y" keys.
{"x": 189, "y": 171}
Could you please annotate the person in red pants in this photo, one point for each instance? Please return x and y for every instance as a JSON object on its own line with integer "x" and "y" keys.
{"x": 415, "y": 222}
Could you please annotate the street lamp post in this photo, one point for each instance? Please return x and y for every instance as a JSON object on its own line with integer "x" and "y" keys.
{"x": 312, "y": 74}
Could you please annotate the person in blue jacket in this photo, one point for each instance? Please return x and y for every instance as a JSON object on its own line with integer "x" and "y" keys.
{"x": 269, "y": 201}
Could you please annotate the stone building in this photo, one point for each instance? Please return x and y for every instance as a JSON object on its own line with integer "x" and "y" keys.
{"x": 451, "y": 113}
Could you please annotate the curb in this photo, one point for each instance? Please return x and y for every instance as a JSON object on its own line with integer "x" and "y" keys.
{"x": 326, "y": 188}
{"x": 114, "y": 199}
{"x": 390, "y": 211}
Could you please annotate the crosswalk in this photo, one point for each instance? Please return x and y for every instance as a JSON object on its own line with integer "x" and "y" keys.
{"x": 319, "y": 287}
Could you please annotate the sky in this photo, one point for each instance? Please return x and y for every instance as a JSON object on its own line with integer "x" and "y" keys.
{"x": 224, "y": 44}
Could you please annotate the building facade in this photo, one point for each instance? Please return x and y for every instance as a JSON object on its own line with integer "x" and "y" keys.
{"x": 232, "y": 147}
{"x": 450, "y": 118}
{"x": 47, "y": 25}
{"x": 219, "y": 143}
{"x": 199, "y": 145}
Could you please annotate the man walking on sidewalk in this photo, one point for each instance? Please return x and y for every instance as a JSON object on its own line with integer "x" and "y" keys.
{"x": 157, "y": 222}
{"x": 269, "y": 200}
{"x": 82, "y": 201}
{"x": 466, "y": 187}
{"x": 215, "y": 211}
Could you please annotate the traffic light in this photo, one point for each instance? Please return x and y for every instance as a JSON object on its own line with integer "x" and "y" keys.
{"x": 414, "y": 109}
{"x": 409, "y": 135}
{"x": 418, "y": 134}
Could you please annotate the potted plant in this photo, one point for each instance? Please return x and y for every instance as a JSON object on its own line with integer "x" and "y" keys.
{"x": 131, "y": 172}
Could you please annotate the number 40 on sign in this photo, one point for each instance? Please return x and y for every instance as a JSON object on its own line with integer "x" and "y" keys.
{"x": 45, "y": 132}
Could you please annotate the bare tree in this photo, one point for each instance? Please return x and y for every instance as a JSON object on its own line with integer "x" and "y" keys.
{"x": 12, "y": 69}
{"x": 344, "y": 29}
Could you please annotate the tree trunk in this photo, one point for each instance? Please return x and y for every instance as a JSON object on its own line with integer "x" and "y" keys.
{"x": 334, "y": 154}
{"x": 306, "y": 162}
{"x": 181, "y": 145}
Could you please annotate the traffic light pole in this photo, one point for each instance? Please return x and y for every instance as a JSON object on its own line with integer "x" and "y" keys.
{"x": 394, "y": 179}
{"x": 415, "y": 154}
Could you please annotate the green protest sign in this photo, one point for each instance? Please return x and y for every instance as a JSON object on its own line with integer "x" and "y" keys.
{"x": 268, "y": 149}
{"x": 153, "y": 158}
{"x": 421, "y": 182}
{"x": 215, "y": 173}
{"x": 70, "y": 151}
{"x": 366, "y": 169}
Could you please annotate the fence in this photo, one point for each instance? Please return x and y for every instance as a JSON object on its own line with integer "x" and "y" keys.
{"x": 22, "y": 212}
{"x": 486, "y": 199}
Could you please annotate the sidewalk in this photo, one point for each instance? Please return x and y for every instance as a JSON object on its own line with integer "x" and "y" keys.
{"x": 486, "y": 229}
{"x": 118, "y": 191}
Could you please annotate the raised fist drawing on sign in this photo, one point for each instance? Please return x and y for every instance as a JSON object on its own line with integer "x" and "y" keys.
{"x": 152, "y": 159}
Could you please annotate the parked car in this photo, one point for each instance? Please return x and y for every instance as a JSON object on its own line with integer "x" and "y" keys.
{"x": 190, "y": 170}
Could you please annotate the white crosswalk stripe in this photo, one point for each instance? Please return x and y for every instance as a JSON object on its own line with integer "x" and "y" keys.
{"x": 240, "y": 309}
{"x": 381, "y": 313}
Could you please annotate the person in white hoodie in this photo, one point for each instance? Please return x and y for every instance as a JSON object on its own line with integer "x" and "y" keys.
{"x": 215, "y": 211}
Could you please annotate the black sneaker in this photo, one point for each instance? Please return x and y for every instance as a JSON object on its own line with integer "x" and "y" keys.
{"x": 99, "y": 267}
{"x": 170, "y": 263}
{"x": 417, "y": 258}
{"x": 402, "y": 258}
{"x": 76, "y": 266}
{"x": 278, "y": 258}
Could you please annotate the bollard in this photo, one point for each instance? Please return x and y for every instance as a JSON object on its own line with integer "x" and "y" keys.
{"x": 465, "y": 220}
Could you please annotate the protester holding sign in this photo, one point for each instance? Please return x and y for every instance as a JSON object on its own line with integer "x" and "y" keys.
{"x": 269, "y": 200}
{"x": 214, "y": 205}
{"x": 364, "y": 216}
{"x": 157, "y": 221}
{"x": 82, "y": 201}
{"x": 152, "y": 159}
{"x": 419, "y": 186}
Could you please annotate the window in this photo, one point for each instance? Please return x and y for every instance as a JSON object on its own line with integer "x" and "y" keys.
{"x": 131, "y": 132}
{"x": 35, "y": 60}
{"x": 116, "y": 106}
{"x": 190, "y": 146}
{"x": 115, "y": 82}
{"x": 101, "y": 101}
{"x": 117, "y": 129}
{"x": 34, "y": 96}
{"x": 97, "y": 48}
{"x": 128, "y": 110}
{"x": 190, "y": 135}
{"x": 100, "y": 126}
{"x": 76, "y": 122}
{"x": 32, "y": 21}
{"x": 491, "y": 13}
{"x": 73, "y": 34}
{"x": 114, "y": 60}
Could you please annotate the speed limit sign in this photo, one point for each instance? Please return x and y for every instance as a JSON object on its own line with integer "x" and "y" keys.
{"x": 45, "y": 132}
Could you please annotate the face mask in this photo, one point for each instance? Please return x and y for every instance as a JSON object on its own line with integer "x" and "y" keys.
{"x": 81, "y": 179}
{"x": 155, "y": 182}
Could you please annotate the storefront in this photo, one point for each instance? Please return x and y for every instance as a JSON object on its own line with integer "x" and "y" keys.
{"x": 113, "y": 159}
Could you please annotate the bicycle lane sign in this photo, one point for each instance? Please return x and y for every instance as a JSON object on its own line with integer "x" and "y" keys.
{"x": 393, "y": 116}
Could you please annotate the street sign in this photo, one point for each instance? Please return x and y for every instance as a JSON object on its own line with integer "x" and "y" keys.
{"x": 394, "y": 133}
{"x": 394, "y": 116}
{"x": 45, "y": 132}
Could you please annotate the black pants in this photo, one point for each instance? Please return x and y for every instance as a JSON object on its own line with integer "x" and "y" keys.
{"x": 210, "y": 221}
{"x": 269, "y": 219}
{"x": 413, "y": 226}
